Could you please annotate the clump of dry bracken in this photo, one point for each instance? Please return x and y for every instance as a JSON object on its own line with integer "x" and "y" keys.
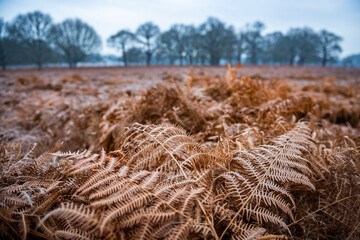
{"x": 197, "y": 156}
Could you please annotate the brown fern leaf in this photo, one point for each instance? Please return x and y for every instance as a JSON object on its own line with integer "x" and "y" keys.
{"x": 75, "y": 234}
{"x": 162, "y": 147}
{"x": 258, "y": 186}
{"x": 78, "y": 216}
{"x": 244, "y": 231}
{"x": 181, "y": 231}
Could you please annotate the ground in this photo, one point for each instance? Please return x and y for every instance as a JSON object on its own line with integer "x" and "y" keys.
{"x": 198, "y": 152}
{"x": 35, "y": 105}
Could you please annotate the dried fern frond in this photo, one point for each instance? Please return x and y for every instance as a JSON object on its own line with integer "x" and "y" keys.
{"x": 249, "y": 156}
{"x": 262, "y": 172}
{"x": 77, "y": 216}
{"x": 75, "y": 234}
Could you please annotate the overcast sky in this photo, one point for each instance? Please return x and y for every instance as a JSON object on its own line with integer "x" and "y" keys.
{"x": 108, "y": 16}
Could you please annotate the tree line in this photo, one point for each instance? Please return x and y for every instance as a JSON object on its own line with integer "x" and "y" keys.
{"x": 34, "y": 38}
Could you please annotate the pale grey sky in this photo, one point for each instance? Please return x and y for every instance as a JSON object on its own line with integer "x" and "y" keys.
{"x": 109, "y": 16}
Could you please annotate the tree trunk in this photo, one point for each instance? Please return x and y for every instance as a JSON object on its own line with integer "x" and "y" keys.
{"x": 291, "y": 61}
{"x": 214, "y": 60}
{"x": 171, "y": 60}
{"x": 124, "y": 56}
{"x": 324, "y": 62}
{"x": 3, "y": 60}
{"x": 148, "y": 58}
{"x": 39, "y": 64}
{"x": 202, "y": 59}
{"x": 148, "y": 52}
{"x": 190, "y": 60}
{"x": 301, "y": 61}
{"x": 238, "y": 58}
{"x": 324, "y": 58}
{"x": 72, "y": 64}
{"x": 253, "y": 54}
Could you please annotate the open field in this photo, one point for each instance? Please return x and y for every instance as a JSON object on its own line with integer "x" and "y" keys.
{"x": 180, "y": 153}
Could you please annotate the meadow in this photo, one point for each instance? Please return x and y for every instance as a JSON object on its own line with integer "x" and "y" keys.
{"x": 236, "y": 152}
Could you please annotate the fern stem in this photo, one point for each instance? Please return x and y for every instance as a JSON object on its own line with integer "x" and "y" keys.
{"x": 352, "y": 232}
{"x": 268, "y": 237}
{"x": 25, "y": 227}
{"x": 35, "y": 233}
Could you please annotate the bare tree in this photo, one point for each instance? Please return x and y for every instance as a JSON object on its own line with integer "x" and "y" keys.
{"x": 352, "y": 60}
{"x": 4, "y": 44}
{"x": 306, "y": 43}
{"x": 217, "y": 39}
{"x": 191, "y": 42}
{"x": 135, "y": 55}
{"x": 174, "y": 41}
{"x": 75, "y": 40}
{"x": 167, "y": 45}
{"x": 178, "y": 35}
{"x": 147, "y": 34}
{"x": 329, "y": 46}
{"x": 229, "y": 47}
{"x": 33, "y": 31}
{"x": 120, "y": 41}
{"x": 253, "y": 40}
{"x": 275, "y": 49}
{"x": 240, "y": 46}
{"x": 290, "y": 44}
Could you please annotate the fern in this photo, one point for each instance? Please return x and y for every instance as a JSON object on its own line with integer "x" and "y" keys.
{"x": 78, "y": 216}
{"x": 203, "y": 156}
